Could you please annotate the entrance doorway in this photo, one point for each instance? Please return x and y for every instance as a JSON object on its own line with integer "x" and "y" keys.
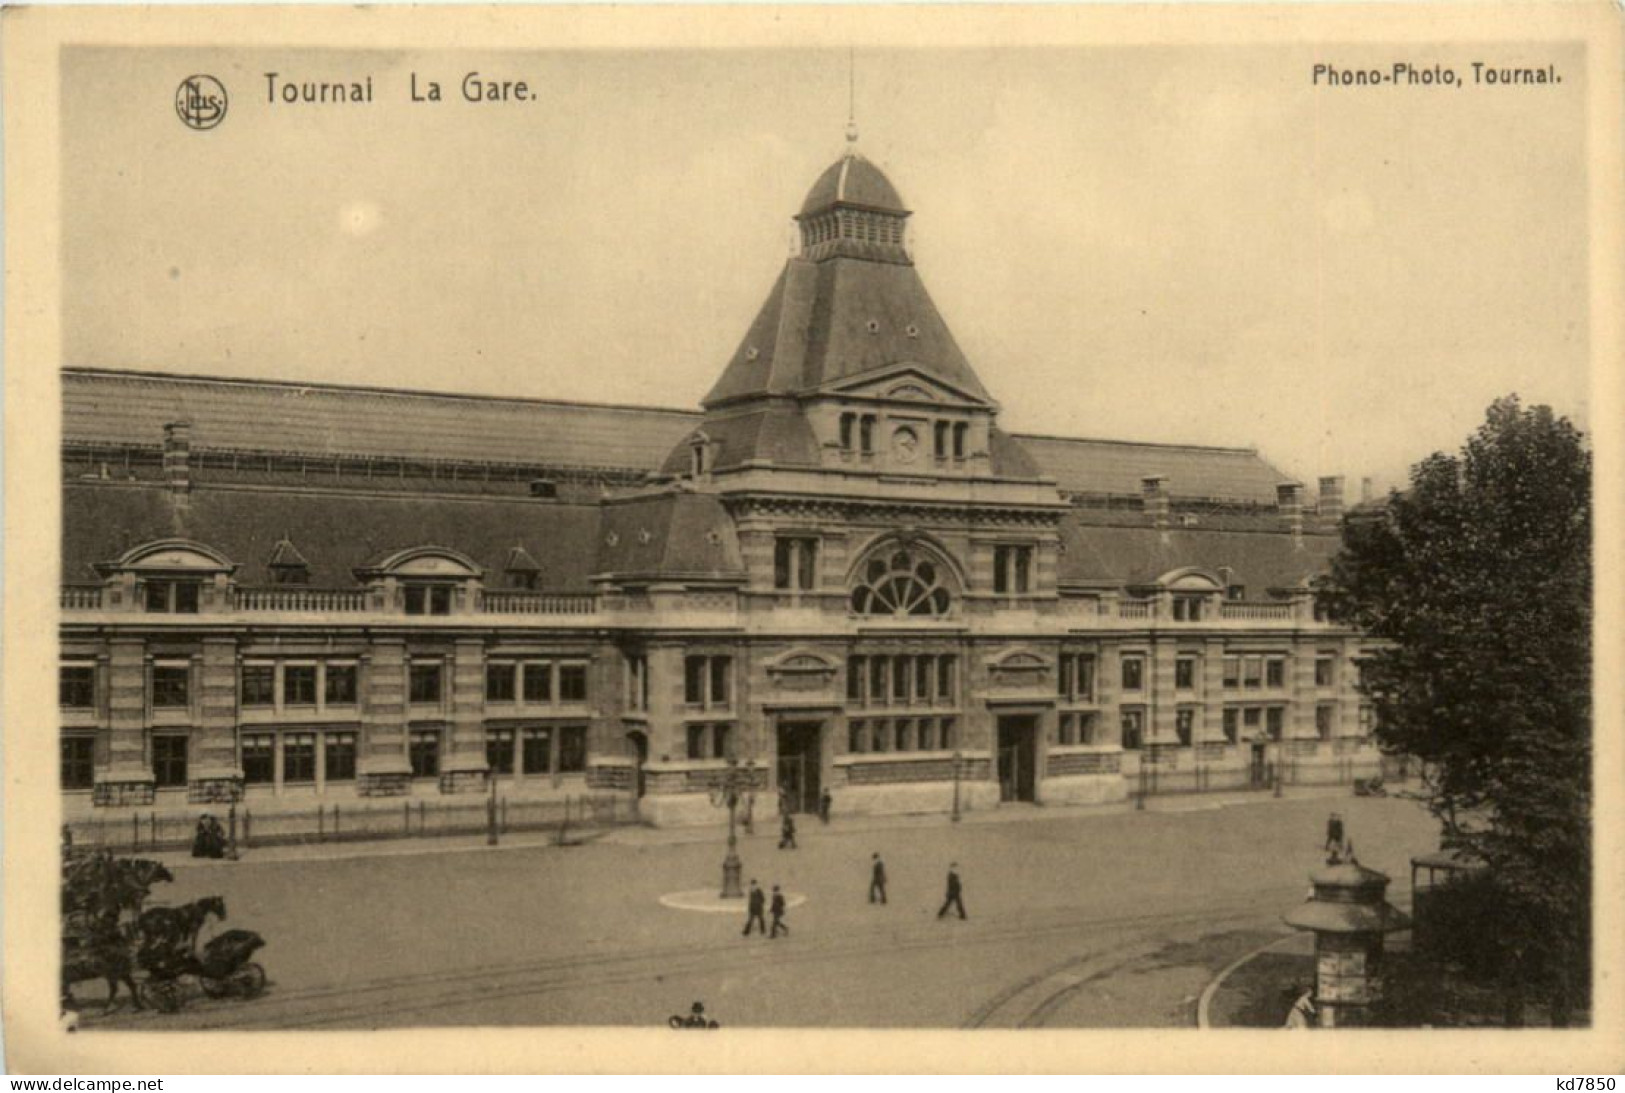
{"x": 801, "y": 757}
{"x": 639, "y": 745}
{"x": 1261, "y": 767}
{"x": 1018, "y": 758}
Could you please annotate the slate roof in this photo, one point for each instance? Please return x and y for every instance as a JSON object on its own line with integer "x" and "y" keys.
{"x": 1259, "y": 560}
{"x": 335, "y": 531}
{"x": 853, "y": 180}
{"x": 669, "y": 534}
{"x": 814, "y": 331}
{"x": 131, "y": 408}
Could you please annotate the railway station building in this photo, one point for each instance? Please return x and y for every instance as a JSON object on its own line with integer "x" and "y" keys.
{"x": 841, "y": 573}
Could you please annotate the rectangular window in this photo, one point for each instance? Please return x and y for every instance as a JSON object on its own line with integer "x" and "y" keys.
{"x": 1133, "y": 673}
{"x": 945, "y": 679}
{"x": 866, "y": 434}
{"x": 299, "y": 757}
{"x": 928, "y": 734}
{"x": 169, "y": 761}
{"x": 501, "y": 682}
{"x": 855, "y": 670}
{"x": 76, "y": 686}
{"x": 1012, "y": 569}
{"x": 1232, "y": 671}
{"x": 1275, "y": 672}
{"x": 904, "y": 734}
{"x": 299, "y": 685}
{"x": 948, "y": 729}
{"x": 959, "y": 440}
{"x": 1066, "y": 730}
{"x": 340, "y": 756}
{"x": 922, "y": 677}
{"x": 78, "y": 762}
{"x": 259, "y": 759}
{"x": 939, "y": 445}
{"x": 721, "y": 668}
{"x": 1087, "y": 723}
{"x": 696, "y": 741}
{"x": 1232, "y": 724}
{"x": 857, "y": 737}
{"x": 783, "y": 562}
{"x": 428, "y": 599}
{"x": 846, "y": 431}
{"x": 538, "y": 751}
{"x": 1368, "y": 718}
{"x": 795, "y": 563}
{"x": 720, "y": 739}
{"x": 1252, "y": 717}
{"x": 1133, "y": 729}
{"x": 424, "y": 751}
{"x": 186, "y": 597}
{"x": 341, "y": 684}
{"x": 572, "y": 749}
{"x": 539, "y": 682}
{"x": 157, "y": 597}
{"x": 1274, "y": 720}
{"x": 1063, "y": 674}
{"x": 1185, "y": 673}
{"x": 879, "y": 672}
{"x": 694, "y": 681}
{"x": 1324, "y": 668}
{"x": 901, "y": 685}
{"x": 499, "y": 750}
{"x": 1187, "y": 609}
{"x": 171, "y": 687}
{"x": 1185, "y": 726}
{"x": 1252, "y": 672}
{"x": 1323, "y": 721}
{"x": 572, "y": 683}
{"x": 173, "y": 597}
{"x": 1235, "y": 592}
{"x": 424, "y": 682}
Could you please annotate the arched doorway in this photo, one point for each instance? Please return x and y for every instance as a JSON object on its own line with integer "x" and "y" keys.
{"x": 638, "y": 745}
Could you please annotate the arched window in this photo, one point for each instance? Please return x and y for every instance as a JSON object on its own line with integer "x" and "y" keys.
{"x": 901, "y": 581}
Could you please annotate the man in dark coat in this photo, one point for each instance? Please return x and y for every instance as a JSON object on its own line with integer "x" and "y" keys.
{"x": 877, "y": 881}
{"x": 778, "y": 914}
{"x": 756, "y": 903}
{"x": 824, "y": 803}
{"x": 787, "y": 833}
{"x": 954, "y": 898}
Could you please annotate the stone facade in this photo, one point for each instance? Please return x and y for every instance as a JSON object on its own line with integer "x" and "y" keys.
{"x": 843, "y": 577}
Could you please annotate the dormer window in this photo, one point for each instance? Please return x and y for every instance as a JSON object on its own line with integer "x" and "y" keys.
{"x": 427, "y": 599}
{"x": 287, "y": 565}
{"x": 172, "y": 597}
{"x": 521, "y": 570}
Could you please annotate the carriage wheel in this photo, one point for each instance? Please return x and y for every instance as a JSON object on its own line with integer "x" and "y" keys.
{"x": 249, "y": 980}
{"x": 216, "y": 988}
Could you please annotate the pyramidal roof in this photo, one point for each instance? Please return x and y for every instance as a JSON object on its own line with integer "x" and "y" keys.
{"x": 851, "y": 303}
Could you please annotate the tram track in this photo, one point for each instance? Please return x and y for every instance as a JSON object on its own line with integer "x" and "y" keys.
{"x": 1027, "y": 1004}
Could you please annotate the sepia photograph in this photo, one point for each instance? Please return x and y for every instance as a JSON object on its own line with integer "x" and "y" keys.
{"x": 888, "y": 521}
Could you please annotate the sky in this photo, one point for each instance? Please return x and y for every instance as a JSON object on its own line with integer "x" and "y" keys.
{"x": 1157, "y": 243}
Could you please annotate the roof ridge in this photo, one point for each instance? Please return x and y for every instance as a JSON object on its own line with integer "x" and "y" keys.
{"x": 404, "y": 392}
{"x": 1246, "y": 450}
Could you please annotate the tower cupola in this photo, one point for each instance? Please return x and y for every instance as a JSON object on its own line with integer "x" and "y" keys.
{"x": 853, "y": 211}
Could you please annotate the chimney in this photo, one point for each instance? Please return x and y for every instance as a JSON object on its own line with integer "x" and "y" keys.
{"x": 1289, "y": 499}
{"x": 1365, "y": 491}
{"x": 1155, "y": 497}
{"x": 177, "y": 456}
{"x": 1331, "y": 498}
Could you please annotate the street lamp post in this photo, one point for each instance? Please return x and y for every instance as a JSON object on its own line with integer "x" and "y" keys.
{"x": 957, "y": 759}
{"x": 732, "y": 780}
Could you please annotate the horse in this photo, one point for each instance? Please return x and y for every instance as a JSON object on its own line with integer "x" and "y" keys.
{"x": 175, "y": 926}
{"x": 102, "y": 952}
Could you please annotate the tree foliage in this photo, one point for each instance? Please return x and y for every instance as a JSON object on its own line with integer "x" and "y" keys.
{"x": 1476, "y": 585}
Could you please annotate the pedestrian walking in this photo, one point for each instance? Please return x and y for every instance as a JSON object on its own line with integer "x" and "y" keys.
{"x": 756, "y": 903}
{"x": 877, "y": 880}
{"x": 787, "y": 833}
{"x": 955, "y": 896}
{"x": 778, "y": 914}
{"x": 824, "y": 803}
{"x": 1334, "y": 836}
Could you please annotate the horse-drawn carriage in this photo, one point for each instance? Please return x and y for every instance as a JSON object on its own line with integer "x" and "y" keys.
{"x": 108, "y": 933}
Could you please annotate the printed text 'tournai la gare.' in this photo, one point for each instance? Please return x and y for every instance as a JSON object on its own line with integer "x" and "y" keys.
{"x": 472, "y": 86}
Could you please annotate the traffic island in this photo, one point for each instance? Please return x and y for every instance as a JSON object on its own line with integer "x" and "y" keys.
{"x": 707, "y": 900}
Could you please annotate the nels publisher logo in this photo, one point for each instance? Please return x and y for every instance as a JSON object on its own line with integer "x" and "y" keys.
{"x": 201, "y": 102}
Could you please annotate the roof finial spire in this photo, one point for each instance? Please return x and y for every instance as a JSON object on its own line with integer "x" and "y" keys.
{"x": 851, "y": 100}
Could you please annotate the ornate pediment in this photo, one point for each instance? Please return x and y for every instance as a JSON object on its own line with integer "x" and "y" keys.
{"x": 802, "y": 670}
{"x": 907, "y": 382}
{"x": 1019, "y": 670}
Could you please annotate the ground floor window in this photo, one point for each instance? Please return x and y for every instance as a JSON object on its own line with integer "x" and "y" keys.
{"x": 1232, "y": 724}
{"x": 423, "y": 749}
{"x": 340, "y": 756}
{"x": 307, "y": 757}
{"x": 1185, "y": 726}
{"x": 78, "y": 761}
{"x": 259, "y": 759}
{"x": 1076, "y": 728}
{"x": 1325, "y": 716}
{"x": 1133, "y": 729}
{"x": 709, "y": 741}
{"x": 299, "y": 758}
{"x": 537, "y": 751}
{"x": 169, "y": 755}
{"x": 572, "y": 749}
{"x": 900, "y": 734}
{"x": 499, "y": 751}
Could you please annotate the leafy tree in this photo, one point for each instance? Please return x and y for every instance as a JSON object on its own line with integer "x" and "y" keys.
{"x": 1476, "y": 584}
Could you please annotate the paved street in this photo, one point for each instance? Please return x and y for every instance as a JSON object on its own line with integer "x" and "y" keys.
{"x": 1076, "y": 920}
